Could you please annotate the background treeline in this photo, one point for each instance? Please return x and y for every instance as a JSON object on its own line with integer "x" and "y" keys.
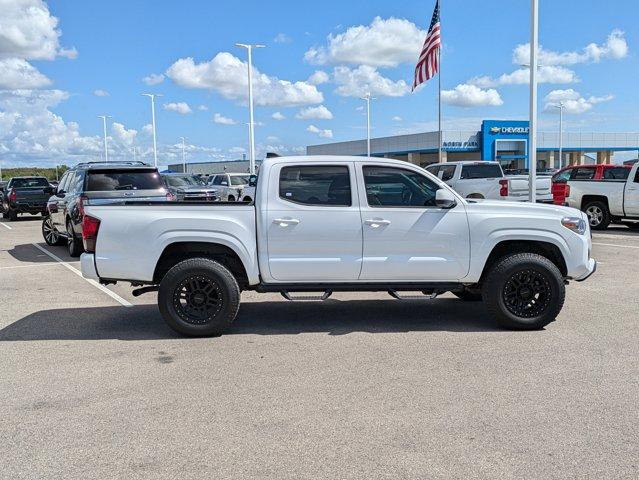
{"x": 49, "y": 173}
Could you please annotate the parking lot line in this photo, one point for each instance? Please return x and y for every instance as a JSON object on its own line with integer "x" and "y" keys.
{"x": 6, "y": 226}
{"x": 26, "y": 266}
{"x": 615, "y": 245}
{"x": 111, "y": 294}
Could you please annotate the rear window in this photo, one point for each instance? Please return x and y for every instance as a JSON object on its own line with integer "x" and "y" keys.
{"x": 130, "y": 179}
{"x": 29, "y": 182}
{"x": 562, "y": 176}
{"x": 489, "y": 170}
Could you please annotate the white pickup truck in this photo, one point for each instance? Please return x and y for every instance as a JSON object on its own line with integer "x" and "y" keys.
{"x": 485, "y": 179}
{"x": 332, "y": 223}
{"x": 606, "y": 201}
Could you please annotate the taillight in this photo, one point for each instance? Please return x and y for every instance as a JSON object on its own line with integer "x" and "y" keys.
{"x": 13, "y": 195}
{"x": 503, "y": 191}
{"x": 80, "y": 203}
{"x": 90, "y": 227}
{"x": 567, "y": 190}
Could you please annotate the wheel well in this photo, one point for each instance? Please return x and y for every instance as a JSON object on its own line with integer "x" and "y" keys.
{"x": 176, "y": 252}
{"x": 475, "y": 195}
{"x": 586, "y": 199}
{"x": 545, "y": 249}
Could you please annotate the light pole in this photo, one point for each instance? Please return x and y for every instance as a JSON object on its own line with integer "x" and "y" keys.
{"x": 249, "y": 49}
{"x": 532, "y": 147}
{"x": 183, "y": 157}
{"x": 561, "y": 106}
{"x": 155, "y": 146}
{"x": 135, "y": 157}
{"x": 368, "y": 99}
{"x": 106, "y": 150}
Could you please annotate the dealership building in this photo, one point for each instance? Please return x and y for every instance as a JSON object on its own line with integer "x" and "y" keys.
{"x": 505, "y": 141}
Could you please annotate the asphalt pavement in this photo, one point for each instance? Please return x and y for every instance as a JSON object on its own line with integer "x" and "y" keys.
{"x": 94, "y": 385}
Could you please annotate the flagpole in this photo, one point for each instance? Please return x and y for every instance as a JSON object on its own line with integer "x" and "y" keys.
{"x": 439, "y": 81}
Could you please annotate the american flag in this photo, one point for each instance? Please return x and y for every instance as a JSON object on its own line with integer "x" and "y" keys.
{"x": 428, "y": 63}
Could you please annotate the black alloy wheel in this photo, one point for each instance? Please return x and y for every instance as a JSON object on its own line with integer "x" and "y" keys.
{"x": 197, "y": 299}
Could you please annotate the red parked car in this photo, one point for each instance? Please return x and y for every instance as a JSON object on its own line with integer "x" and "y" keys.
{"x": 561, "y": 188}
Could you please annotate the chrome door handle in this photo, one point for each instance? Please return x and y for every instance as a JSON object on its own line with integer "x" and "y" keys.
{"x": 376, "y": 223}
{"x": 285, "y": 222}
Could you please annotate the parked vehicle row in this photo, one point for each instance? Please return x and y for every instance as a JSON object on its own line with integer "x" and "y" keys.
{"x": 232, "y": 187}
{"x": 188, "y": 188}
{"x": 25, "y": 195}
{"x": 325, "y": 224}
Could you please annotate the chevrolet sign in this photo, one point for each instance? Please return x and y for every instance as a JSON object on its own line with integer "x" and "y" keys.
{"x": 507, "y": 130}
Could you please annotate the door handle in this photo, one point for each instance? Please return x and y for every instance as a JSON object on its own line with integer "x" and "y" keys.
{"x": 376, "y": 223}
{"x": 285, "y": 222}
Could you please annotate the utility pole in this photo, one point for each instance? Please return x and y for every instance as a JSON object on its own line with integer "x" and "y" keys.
{"x": 368, "y": 99}
{"x": 155, "y": 146}
{"x": 561, "y": 106}
{"x": 532, "y": 144}
{"x": 106, "y": 149}
{"x": 183, "y": 157}
{"x": 249, "y": 48}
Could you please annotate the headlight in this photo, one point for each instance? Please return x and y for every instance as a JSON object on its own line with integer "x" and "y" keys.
{"x": 576, "y": 224}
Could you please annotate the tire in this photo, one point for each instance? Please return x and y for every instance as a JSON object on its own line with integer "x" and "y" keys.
{"x": 11, "y": 215}
{"x": 73, "y": 242}
{"x": 230, "y": 198}
{"x": 524, "y": 291}
{"x": 50, "y": 234}
{"x": 202, "y": 281}
{"x": 247, "y": 199}
{"x": 598, "y": 215}
{"x": 469, "y": 295}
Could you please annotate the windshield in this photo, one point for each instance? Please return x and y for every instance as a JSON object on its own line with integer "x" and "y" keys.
{"x": 239, "y": 179}
{"x": 130, "y": 179}
{"x": 29, "y": 183}
{"x": 182, "y": 181}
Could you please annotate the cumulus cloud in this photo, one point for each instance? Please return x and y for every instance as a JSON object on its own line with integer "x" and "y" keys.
{"x": 227, "y": 75}
{"x": 318, "y": 77}
{"x": 179, "y": 107}
{"x": 100, "y": 93}
{"x": 202, "y": 108}
{"x": 282, "y": 38}
{"x": 572, "y": 100}
{"x": 17, "y": 73}
{"x": 467, "y": 96}
{"x": 363, "y": 79}
{"x": 153, "y": 79}
{"x": 521, "y": 76}
{"x": 326, "y": 133}
{"x": 383, "y": 43}
{"x": 122, "y": 135}
{"x": 314, "y": 113}
{"x": 278, "y": 116}
{"x": 222, "y": 120}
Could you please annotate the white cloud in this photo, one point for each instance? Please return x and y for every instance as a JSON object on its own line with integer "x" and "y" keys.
{"x": 29, "y": 31}
{"x": 147, "y": 129}
{"x": 318, "y": 77}
{"x": 17, "y": 73}
{"x": 521, "y": 76}
{"x": 397, "y": 119}
{"x": 202, "y": 108}
{"x": 357, "y": 82}
{"x": 227, "y": 75}
{"x": 383, "y": 43}
{"x": 282, "y": 38}
{"x": 222, "y": 120}
{"x": 615, "y": 48}
{"x": 153, "y": 79}
{"x": 237, "y": 150}
{"x": 314, "y": 113}
{"x": 573, "y": 101}
{"x": 467, "y": 96}
{"x": 122, "y": 135}
{"x": 278, "y": 116}
{"x": 100, "y": 93}
{"x": 272, "y": 138}
{"x": 179, "y": 107}
{"x": 327, "y": 133}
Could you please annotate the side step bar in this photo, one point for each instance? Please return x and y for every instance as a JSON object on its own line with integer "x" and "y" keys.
{"x": 307, "y": 298}
{"x": 423, "y": 296}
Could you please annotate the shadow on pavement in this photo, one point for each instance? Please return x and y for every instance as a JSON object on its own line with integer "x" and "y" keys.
{"x": 333, "y": 317}
{"x": 28, "y": 253}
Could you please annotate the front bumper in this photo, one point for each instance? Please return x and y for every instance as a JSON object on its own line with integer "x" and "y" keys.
{"x": 87, "y": 265}
{"x": 592, "y": 268}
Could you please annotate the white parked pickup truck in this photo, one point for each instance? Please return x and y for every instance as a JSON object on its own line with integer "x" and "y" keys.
{"x": 333, "y": 223}
{"x": 485, "y": 179}
{"x": 607, "y": 200}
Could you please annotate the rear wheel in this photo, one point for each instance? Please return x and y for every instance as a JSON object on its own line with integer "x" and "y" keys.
{"x": 73, "y": 242}
{"x": 50, "y": 233}
{"x": 230, "y": 198}
{"x": 199, "y": 297}
{"x": 524, "y": 291}
{"x": 10, "y": 215}
{"x": 598, "y": 215}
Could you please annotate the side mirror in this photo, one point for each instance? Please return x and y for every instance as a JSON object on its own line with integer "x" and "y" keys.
{"x": 225, "y": 184}
{"x": 252, "y": 181}
{"x": 445, "y": 199}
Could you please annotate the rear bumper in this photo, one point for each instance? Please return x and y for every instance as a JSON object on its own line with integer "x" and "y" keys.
{"x": 87, "y": 265}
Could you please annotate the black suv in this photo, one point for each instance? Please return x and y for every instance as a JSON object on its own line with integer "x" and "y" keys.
{"x": 25, "y": 195}
{"x": 96, "y": 183}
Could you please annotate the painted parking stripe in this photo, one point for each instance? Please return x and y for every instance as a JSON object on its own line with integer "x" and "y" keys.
{"x": 29, "y": 266}
{"x": 111, "y": 294}
{"x": 615, "y": 245}
{"x": 6, "y": 226}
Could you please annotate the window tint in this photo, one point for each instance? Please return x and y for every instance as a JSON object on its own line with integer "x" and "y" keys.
{"x": 562, "y": 177}
{"x": 583, "y": 173}
{"x": 133, "y": 179}
{"x": 616, "y": 173}
{"x": 396, "y": 187}
{"x": 316, "y": 185}
{"x": 637, "y": 176}
{"x": 434, "y": 169}
{"x": 76, "y": 183}
{"x": 63, "y": 182}
{"x": 447, "y": 172}
{"x": 478, "y": 170}
{"x": 219, "y": 179}
{"x": 239, "y": 180}
{"x": 182, "y": 180}
{"x": 29, "y": 182}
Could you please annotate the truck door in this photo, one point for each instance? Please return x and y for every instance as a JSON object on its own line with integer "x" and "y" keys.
{"x": 406, "y": 236}
{"x": 313, "y": 223}
{"x": 631, "y": 196}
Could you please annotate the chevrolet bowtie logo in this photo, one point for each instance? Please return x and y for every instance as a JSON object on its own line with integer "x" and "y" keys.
{"x": 495, "y": 129}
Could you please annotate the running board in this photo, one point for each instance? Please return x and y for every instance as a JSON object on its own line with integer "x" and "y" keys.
{"x": 423, "y": 296}
{"x": 306, "y": 298}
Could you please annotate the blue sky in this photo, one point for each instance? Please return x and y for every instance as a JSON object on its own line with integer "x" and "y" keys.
{"x": 52, "y": 72}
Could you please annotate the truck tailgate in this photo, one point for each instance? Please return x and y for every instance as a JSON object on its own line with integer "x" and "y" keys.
{"x": 518, "y": 186}
{"x": 132, "y": 237}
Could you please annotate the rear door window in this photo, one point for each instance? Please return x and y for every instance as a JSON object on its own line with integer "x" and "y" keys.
{"x": 478, "y": 170}
{"x": 130, "y": 179}
{"x": 616, "y": 173}
{"x": 324, "y": 185}
{"x": 447, "y": 172}
{"x": 583, "y": 173}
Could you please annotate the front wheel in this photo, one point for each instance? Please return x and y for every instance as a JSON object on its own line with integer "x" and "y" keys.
{"x": 230, "y": 198}
{"x": 11, "y": 215}
{"x": 598, "y": 215}
{"x": 50, "y": 234}
{"x": 524, "y": 291}
{"x": 199, "y": 297}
